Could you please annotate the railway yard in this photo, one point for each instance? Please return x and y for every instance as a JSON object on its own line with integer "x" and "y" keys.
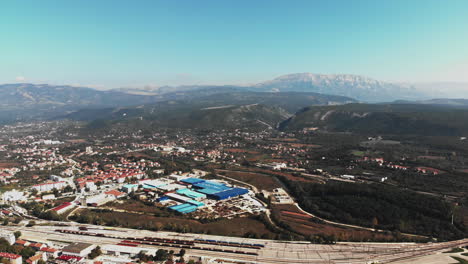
{"x": 240, "y": 250}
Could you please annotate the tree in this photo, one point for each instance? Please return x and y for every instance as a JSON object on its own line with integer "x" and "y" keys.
{"x": 6, "y": 221}
{"x": 68, "y": 189}
{"x": 56, "y": 192}
{"x": 27, "y": 252}
{"x": 17, "y": 234}
{"x": 31, "y": 223}
{"x": 182, "y": 252}
{"x": 96, "y": 252}
{"x": 161, "y": 255}
{"x": 34, "y": 192}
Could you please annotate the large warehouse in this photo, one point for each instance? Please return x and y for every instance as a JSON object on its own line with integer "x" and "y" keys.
{"x": 233, "y": 192}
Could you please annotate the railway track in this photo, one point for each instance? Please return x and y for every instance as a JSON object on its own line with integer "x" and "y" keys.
{"x": 267, "y": 252}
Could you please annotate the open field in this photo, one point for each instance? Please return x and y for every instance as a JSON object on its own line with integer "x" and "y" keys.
{"x": 136, "y": 206}
{"x": 227, "y": 227}
{"x": 259, "y": 180}
{"x": 289, "y": 176}
{"x": 307, "y": 226}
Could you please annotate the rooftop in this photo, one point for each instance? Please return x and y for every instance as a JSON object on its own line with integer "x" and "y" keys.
{"x": 76, "y": 248}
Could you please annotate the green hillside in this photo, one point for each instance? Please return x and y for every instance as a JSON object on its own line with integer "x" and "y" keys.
{"x": 187, "y": 116}
{"x": 411, "y": 119}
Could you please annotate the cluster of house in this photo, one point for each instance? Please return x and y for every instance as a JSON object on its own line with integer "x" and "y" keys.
{"x": 381, "y": 162}
{"x": 73, "y": 253}
{"x": 119, "y": 173}
{"x": 40, "y": 158}
{"x": 7, "y": 175}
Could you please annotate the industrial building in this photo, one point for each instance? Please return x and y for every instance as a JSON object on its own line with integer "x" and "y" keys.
{"x": 122, "y": 251}
{"x": 47, "y": 187}
{"x": 184, "y": 208}
{"x": 191, "y": 194}
{"x": 210, "y": 187}
{"x": 226, "y": 194}
{"x": 13, "y": 196}
{"x": 78, "y": 249}
{"x": 63, "y": 207}
{"x": 128, "y": 188}
{"x": 192, "y": 180}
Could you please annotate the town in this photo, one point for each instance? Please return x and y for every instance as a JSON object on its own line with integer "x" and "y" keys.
{"x": 183, "y": 181}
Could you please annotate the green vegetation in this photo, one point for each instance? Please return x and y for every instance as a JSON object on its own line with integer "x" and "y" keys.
{"x": 183, "y": 115}
{"x": 379, "y": 206}
{"x": 460, "y": 260}
{"x": 232, "y": 227}
{"x": 96, "y": 252}
{"x": 42, "y": 211}
{"x": 25, "y": 252}
{"x": 371, "y": 119}
{"x": 455, "y": 250}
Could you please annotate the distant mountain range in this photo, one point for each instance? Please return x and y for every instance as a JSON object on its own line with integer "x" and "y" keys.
{"x": 23, "y": 102}
{"x": 354, "y": 86}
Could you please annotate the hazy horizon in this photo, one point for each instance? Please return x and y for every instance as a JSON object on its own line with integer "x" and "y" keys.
{"x": 112, "y": 44}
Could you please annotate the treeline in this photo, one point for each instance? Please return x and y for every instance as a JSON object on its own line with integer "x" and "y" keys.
{"x": 43, "y": 211}
{"x": 379, "y": 206}
{"x": 25, "y": 252}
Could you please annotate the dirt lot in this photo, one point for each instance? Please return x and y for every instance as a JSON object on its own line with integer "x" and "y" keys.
{"x": 261, "y": 181}
{"x": 135, "y": 206}
{"x": 233, "y": 227}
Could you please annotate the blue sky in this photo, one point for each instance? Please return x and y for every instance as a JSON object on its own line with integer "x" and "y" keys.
{"x": 111, "y": 43}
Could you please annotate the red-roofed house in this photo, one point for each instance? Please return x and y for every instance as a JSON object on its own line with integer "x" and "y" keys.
{"x": 35, "y": 259}
{"x": 12, "y": 258}
{"x": 50, "y": 252}
{"x": 69, "y": 257}
{"x": 115, "y": 193}
{"x": 22, "y": 243}
{"x": 427, "y": 170}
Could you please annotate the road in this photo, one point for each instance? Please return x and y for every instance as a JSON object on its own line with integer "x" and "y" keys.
{"x": 255, "y": 189}
{"x": 352, "y": 226}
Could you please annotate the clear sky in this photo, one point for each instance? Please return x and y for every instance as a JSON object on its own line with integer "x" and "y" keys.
{"x": 112, "y": 43}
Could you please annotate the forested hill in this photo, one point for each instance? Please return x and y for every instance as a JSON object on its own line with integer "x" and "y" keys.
{"x": 411, "y": 119}
{"x": 185, "y": 116}
{"x": 380, "y": 206}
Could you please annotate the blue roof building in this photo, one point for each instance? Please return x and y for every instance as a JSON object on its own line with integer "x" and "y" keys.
{"x": 192, "y": 180}
{"x": 234, "y": 192}
{"x": 191, "y": 194}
